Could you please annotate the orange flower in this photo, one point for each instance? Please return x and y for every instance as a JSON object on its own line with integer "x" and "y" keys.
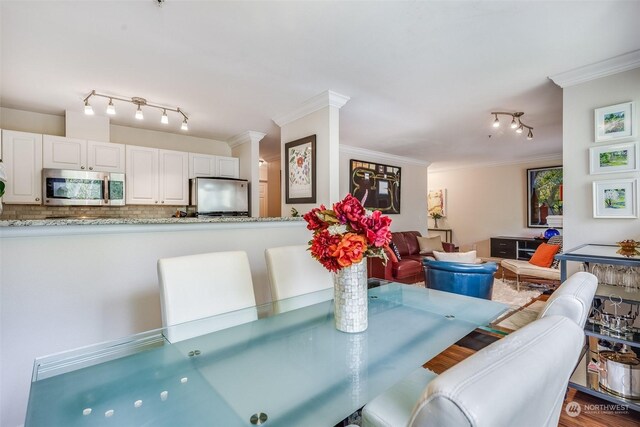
{"x": 350, "y": 250}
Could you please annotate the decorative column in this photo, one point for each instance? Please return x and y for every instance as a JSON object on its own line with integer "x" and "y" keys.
{"x": 245, "y": 146}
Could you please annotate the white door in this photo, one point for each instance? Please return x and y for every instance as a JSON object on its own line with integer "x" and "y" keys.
{"x": 59, "y": 152}
{"x": 264, "y": 200}
{"x": 142, "y": 175}
{"x": 174, "y": 177}
{"x": 105, "y": 156}
{"x": 22, "y": 158}
{"x": 202, "y": 165}
{"x": 228, "y": 167}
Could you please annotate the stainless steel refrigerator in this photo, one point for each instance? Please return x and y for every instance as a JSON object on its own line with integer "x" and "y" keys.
{"x": 220, "y": 196}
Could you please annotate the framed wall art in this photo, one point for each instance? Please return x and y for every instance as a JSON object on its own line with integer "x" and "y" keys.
{"x": 300, "y": 170}
{"x": 614, "y": 122}
{"x": 616, "y": 198}
{"x": 437, "y": 202}
{"x": 375, "y": 185}
{"x": 613, "y": 158}
{"x": 544, "y": 195}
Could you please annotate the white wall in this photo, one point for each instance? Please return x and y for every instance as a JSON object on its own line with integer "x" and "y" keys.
{"x": 65, "y": 290}
{"x": 413, "y": 187}
{"x": 485, "y": 202}
{"x": 578, "y": 136}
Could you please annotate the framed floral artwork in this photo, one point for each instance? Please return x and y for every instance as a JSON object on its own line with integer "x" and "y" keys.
{"x": 616, "y": 198}
{"x": 437, "y": 202}
{"x": 300, "y": 170}
{"x": 613, "y": 158}
{"x": 614, "y": 122}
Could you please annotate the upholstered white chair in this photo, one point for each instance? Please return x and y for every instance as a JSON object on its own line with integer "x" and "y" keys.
{"x": 494, "y": 387}
{"x": 573, "y": 298}
{"x": 203, "y": 285}
{"x": 293, "y": 272}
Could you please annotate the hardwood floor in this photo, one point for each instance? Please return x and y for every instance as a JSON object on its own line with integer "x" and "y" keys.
{"x": 586, "y": 418}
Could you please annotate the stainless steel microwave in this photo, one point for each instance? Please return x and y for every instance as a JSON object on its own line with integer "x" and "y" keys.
{"x": 80, "y": 188}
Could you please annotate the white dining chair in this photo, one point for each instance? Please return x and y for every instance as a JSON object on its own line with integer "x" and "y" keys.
{"x": 573, "y": 299}
{"x": 519, "y": 380}
{"x": 203, "y": 285}
{"x": 293, "y": 272}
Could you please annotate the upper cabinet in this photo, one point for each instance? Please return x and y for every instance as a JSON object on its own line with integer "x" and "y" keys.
{"x": 156, "y": 176}
{"x": 78, "y": 154}
{"x": 206, "y": 165}
{"x": 228, "y": 167}
{"x": 22, "y": 158}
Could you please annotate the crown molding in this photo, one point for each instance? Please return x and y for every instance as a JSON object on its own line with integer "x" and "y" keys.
{"x": 557, "y": 157}
{"x": 617, "y": 64}
{"x": 325, "y": 99}
{"x": 349, "y": 149}
{"x": 244, "y": 137}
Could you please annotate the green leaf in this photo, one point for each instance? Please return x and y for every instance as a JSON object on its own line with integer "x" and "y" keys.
{"x": 1, "y": 188}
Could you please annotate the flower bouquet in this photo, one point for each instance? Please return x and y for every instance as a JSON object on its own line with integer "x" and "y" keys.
{"x": 342, "y": 238}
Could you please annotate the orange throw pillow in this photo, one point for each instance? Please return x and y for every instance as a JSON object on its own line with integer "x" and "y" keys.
{"x": 543, "y": 256}
{"x": 390, "y": 254}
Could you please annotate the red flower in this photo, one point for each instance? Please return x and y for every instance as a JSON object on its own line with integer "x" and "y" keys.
{"x": 350, "y": 250}
{"x": 300, "y": 161}
{"x": 323, "y": 245}
{"x": 313, "y": 221}
{"x": 349, "y": 211}
{"x": 376, "y": 228}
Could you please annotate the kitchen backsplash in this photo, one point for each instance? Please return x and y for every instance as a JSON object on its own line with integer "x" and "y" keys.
{"x": 130, "y": 211}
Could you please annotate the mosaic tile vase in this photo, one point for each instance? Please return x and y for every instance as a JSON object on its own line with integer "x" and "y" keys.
{"x": 350, "y": 298}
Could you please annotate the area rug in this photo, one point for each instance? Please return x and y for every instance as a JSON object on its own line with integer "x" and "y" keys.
{"x": 522, "y": 317}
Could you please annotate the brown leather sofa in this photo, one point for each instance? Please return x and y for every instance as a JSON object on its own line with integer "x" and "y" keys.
{"x": 409, "y": 268}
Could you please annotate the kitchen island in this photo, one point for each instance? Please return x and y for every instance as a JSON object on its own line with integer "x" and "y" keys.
{"x": 66, "y": 283}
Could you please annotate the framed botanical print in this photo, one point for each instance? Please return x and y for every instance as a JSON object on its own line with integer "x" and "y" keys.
{"x": 614, "y": 122}
{"x": 437, "y": 202}
{"x": 615, "y": 198}
{"x": 613, "y": 158}
{"x": 544, "y": 195}
{"x": 300, "y": 170}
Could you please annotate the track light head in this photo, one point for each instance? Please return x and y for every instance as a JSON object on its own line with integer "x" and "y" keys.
{"x": 519, "y": 130}
{"x": 514, "y": 124}
{"x": 111, "y": 109}
{"x": 139, "y": 114}
{"x": 184, "y": 126}
{"x": 164, "y": 119}
{"x": 88, "y": 109}
{"x": 496, "y": 122}
{"x": 530, "y": 135}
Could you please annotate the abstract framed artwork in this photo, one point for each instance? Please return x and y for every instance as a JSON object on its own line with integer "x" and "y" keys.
{"x": 375, "y": 185}
{"x": 437, "y": 202}
{"x": 300, "y": 170}
{"x": 614, "y": 122}
{"x": 615, "y": 198}
{"x": 613, "y": 158}
{"x": 544, "y": 195}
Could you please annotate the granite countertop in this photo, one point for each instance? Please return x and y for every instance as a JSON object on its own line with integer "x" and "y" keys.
{"x": 139, "y": 221}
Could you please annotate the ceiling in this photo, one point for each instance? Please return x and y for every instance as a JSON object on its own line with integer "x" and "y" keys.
{"x": 422, "y": 76}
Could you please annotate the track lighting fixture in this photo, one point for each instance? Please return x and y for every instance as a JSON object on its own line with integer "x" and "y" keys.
{"x": 140, "y": 102}
{"x": 516, "y": 123}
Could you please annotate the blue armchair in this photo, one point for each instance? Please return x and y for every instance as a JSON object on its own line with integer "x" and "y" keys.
{"x": 474, "y": 280}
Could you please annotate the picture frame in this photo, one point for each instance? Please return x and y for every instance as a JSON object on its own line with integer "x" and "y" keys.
{"x": 614, "y": 122}
{"x": 300, "y": 170}
{"x": 544, "y": 195}
{"x": 437, "y": 202}
{"x": 377, "y": 186}
{"x": 615, "y": 198}
{"x": 622, "y": 157}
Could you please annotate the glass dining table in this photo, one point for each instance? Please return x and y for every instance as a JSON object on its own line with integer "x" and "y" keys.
{"x": 279, "y": 364}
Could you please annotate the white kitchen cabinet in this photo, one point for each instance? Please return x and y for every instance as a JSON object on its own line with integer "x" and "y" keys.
{"x": 156, "y": 176}
{"x": 228, "y": 167}
{"x": 105, "y": 157}
{"x": 22, "y": 158}
{"x": 174, "y": 177}
{"x": 202, "y": 165}
{"x": 59, "y": 152}
{"x": 79, "y": 154}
